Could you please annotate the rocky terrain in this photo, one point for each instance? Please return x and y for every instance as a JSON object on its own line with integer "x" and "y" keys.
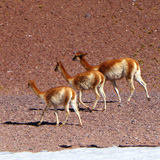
{"x": 34, "y": 35}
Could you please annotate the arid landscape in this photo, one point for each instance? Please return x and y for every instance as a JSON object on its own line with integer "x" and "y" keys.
{"x": 34, "y": 35}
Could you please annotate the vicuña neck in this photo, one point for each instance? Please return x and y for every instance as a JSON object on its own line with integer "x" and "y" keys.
{"x": 65, "y": 74}
{"x": 87, "y": 66}
{"x": 36, "y": 90}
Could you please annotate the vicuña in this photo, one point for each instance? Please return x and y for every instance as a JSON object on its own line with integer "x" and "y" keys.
{"x": 116, "y": 69}
{"x": 57, "y": 96}
{"x": 93, "y": 80}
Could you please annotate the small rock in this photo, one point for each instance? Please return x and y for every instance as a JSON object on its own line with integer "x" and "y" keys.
{"x": 87, "y": 15}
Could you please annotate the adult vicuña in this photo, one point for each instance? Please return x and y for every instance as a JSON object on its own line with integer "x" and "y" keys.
{"x": 57, "y": 96}
{"x": 116, "y": 69}
{"x": 93, "y": 80}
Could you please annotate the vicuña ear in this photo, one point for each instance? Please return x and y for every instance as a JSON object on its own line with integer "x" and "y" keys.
{"x": 78, "y": 53}
{"x": 57, "y": 64}
{"x": 29, "y": 83}
{"x": 60, "y": 62}
{"x": 84, "y": 54}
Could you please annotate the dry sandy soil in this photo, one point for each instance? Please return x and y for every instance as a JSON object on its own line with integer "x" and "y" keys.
{"x": 34, "y": 35}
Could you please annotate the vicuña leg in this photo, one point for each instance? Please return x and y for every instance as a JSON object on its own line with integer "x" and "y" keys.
{"x": 116, "y": 89}
{"x": 67, "y": 112}
{"x": 101, "y": 90}
{"x": 97, "y": 97}
{"x": 139, "y": 79}
{"x": 80, "y": 100}
{"x": 131, "y": 87}
{"x": 56, "y": 114}
{"x": 45, "y": 110}
{"x": 74, "y": 106}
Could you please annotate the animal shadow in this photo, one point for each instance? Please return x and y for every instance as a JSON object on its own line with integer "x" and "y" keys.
{"x": 59, "y": 109}
{"x": 29, "y": 123}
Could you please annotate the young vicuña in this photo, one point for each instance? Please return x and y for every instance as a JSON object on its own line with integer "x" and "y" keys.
{"x": 93, "y": 80}
{"x": 57, "y": 96}
{"x": 116, "y": 69}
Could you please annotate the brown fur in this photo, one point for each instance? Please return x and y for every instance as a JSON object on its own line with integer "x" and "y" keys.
{"x": 116, "y": 69}
{"x": 57, "y": 96}
{"x": 93, "y": 80}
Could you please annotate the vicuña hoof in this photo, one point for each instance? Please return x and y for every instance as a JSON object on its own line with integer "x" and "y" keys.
{"x": 39, "y": 123}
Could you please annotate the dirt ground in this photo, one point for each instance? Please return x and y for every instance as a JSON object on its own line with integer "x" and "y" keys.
{"x": 34, "y": 35}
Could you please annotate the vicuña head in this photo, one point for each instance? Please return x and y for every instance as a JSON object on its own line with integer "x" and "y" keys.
{"x": 57, "y": 96}
{"x": 30, "y": 83}
{"x": 116, "y": 69}
{"x": 78, "y": 56}
{"x": 57, "y": 68}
